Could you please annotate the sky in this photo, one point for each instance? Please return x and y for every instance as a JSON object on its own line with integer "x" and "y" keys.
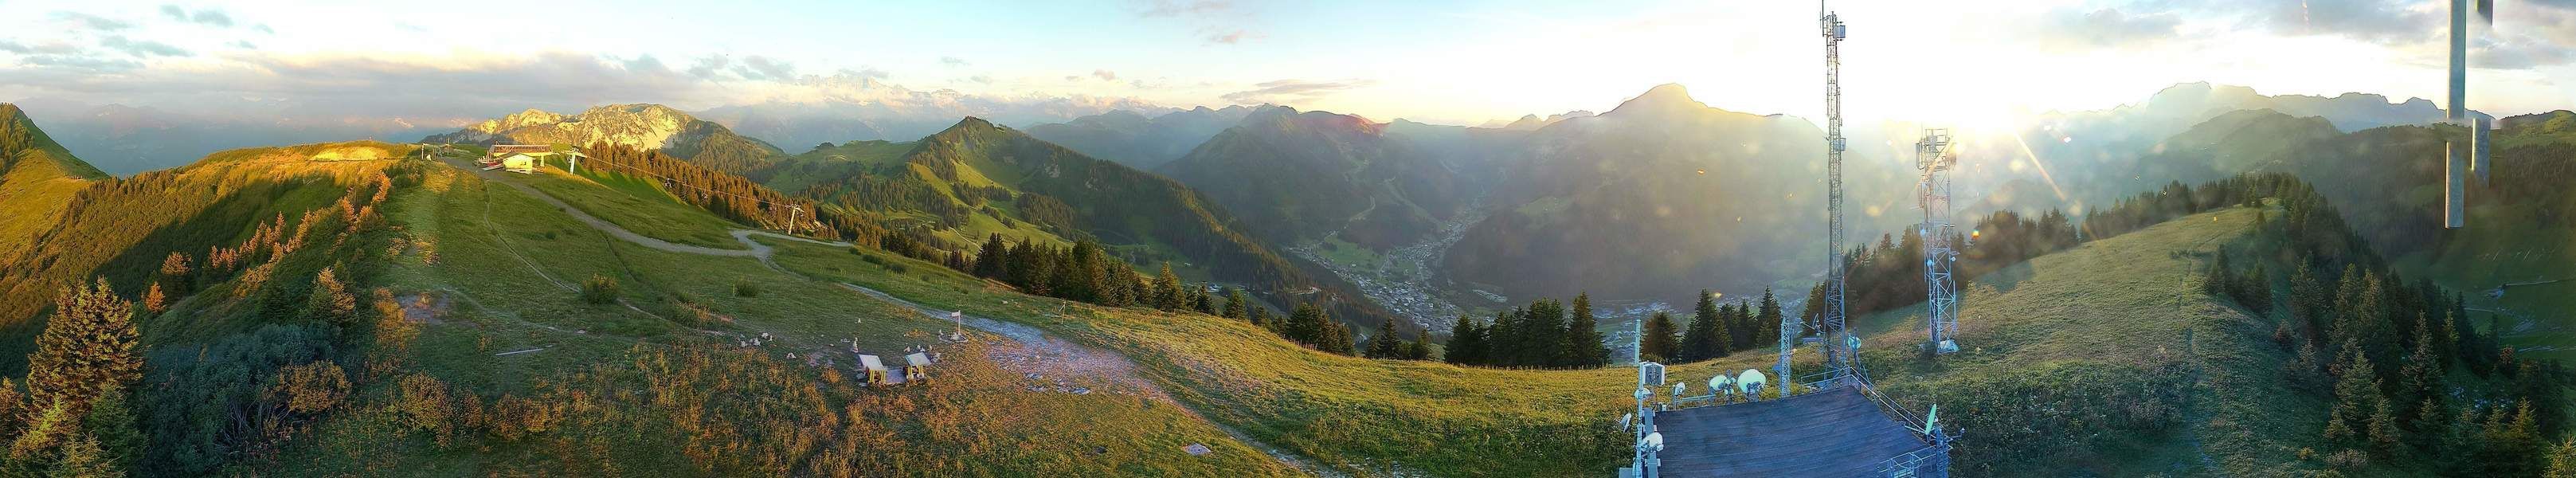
{"x": 1461, "y": 62}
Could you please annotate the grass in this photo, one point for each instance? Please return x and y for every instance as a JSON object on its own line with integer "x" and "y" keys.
{"x": 1365, "y": 415}
{"x": 635, "y": 204}
{"x": 499, "y": 255}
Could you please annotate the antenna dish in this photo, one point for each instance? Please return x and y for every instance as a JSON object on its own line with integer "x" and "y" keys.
{"x": 1654, "y": 441}
{"x": 1680, "y": 387}
{"x": 1750, "y": 382}
{"x": 1721, "y": 384}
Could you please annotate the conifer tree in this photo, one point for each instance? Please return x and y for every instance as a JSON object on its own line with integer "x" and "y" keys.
{"x": 2356, "y": 398}
{"x": 1702, "y": 339}
{"x": 1172, "y": 295}
{"x": 1543, "y": 335}
{"x": 1583, "y": 337}
{"x": 1206, "y": 303}
{"x": 1466, "y": 342}
{"x": 1420, "y": 347}
{"x": 1234, "y": 303}
{"x": 153, "y": 300}
{"x": 331, "y": 302}
{"x": 1766, "y": 323}
{"x": 1385, "y": 344}
{"x": 992, "y": 261}
{"x": 1659, "y": 343}
{"x": 89, "y": 346}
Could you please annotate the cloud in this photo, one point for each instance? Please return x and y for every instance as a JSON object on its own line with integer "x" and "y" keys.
{"x": 1279, "y": 90}
{"x": 263, "y": 28}
{"x": 981, "y": 79}
{"x": 47, "y": 48}
{"x": 1105, "y": 75}
{"x": 1213, "y": 20}
{"x": 1168, "y": 8}
{"x": 2068, "y": 28}
{"x": 1232, "y": 37}
{"x": 94, "y": 22}
{"x": 141, "y": 48}
{"x": 756, "y": 67}
{"x": 952, "y": 61}
{"x": 868, "y": 72}
{"x": 82, "y": 63}
{"x": 211, "y": 17}
{"x": 706, "y": 67}
{"x": 244, "y": 44}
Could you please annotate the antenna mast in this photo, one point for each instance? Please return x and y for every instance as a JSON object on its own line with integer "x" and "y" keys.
{"x": 1932, "y": 155}
{"x": 1829, "y": 324}
{"x": 2460, "y": 158}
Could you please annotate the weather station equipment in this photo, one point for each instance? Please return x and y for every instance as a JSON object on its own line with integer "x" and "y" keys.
{"x": 1932, "y": 155}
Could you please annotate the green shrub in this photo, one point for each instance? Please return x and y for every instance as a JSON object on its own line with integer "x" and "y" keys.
{"x": 599, "y": 290}
{"x": 746, "y": 288}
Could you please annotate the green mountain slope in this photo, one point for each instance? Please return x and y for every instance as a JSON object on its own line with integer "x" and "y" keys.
{"x": 38, "y": 178}
{"x": 976, "y": 179}
{"x": 484, "y": 354}
{"x": 1301, "y": 176}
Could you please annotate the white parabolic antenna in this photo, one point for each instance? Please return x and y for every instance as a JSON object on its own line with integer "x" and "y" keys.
{"x": 1679, "y": 387}
{"x": 1655, "y": 441}
{"x": 1721, "y": 384}
{"x": 1750, "y": 382}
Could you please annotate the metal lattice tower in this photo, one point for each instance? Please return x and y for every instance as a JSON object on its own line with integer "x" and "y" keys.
{"x": 1932, "y": 156}
{"x": 1829, "y": 324}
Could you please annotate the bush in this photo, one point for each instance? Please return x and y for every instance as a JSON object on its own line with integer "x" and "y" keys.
{"x": 746, "y": 288}
{"x": 599, "y": 290}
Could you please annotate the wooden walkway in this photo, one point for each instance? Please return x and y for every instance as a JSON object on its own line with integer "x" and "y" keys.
{"x": 1836, "y": 433}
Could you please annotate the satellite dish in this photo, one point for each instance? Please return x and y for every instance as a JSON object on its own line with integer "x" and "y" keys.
{"x": 1679, "y": 387}
{"x": 1720, "y": 384}
{"x": 1654, "y": 441}
{"x": 1750, "y": 383}
{"x": 1627, "y": 420}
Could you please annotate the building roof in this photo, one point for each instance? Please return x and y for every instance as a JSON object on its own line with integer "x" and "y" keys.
{"x": 505, "y": 149}
{"x": 1835, "y": 432}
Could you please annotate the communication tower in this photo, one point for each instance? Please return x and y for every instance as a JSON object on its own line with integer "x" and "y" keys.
{"x": 1932, "y": 156}
{"x": 1829, "y": 324}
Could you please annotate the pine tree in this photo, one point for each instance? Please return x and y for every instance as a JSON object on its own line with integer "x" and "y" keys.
{"x": 1659, "y": 343}
{"x": 2356, "y": 397}
{"x": 1234, "y": 303}
{"x": 2562, "y": 461}
{"x": 89, "y": 346}
{"x": 1307, "y": 325}
{"x": 110, "y": 425}
{"x": 1766, "y": 323}
{"x": 1544, "y": 335}
{"x": 1384, "y": 345}
{"x": 1466, "y": 342}
{"x": 1260, "y": 316}
{"x": 1171, "y": 294}
{"x": 1420, "y": 347}
{"x": 2308, "y": 301}
{"x": 1583, "y": 337}
{"x": 2385, "y": 439}
{"x": 154, "y": 301}
{"x": 331, "y": 302}
{"x": 992, "y": 261}
{"x": 1199, "y": 300}
{"x": 1700, "y": 341}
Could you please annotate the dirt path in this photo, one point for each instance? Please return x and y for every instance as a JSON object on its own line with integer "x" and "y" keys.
{"x": 1048, "y": 354}
{"x": 1038, "y": 354}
